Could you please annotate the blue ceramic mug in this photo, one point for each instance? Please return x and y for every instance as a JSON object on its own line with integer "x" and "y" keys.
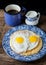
{"x": 13, "y": 19}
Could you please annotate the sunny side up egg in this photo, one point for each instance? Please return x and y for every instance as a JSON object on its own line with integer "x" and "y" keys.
{"x": 23, "y": 41}
{"x": 33, "y": 41}
{"x": 19, "y": 42}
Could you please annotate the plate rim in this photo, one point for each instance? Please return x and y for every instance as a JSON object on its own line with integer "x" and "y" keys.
{"x": 15, "y": 58}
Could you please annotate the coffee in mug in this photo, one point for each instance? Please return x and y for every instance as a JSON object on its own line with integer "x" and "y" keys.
{"x": 12, "y": 12}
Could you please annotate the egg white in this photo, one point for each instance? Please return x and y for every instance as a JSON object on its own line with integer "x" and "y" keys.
{"x": 19, "y": 47}
{"x": 26, "y": 45}
{"x": 32, "y": 45}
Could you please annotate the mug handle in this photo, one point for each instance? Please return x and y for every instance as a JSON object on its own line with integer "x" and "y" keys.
{"x": 38, "y": 15}
{"x": 23, "y": 11}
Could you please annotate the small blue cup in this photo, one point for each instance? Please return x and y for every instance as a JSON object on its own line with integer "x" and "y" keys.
{"x": 14, "y": 19}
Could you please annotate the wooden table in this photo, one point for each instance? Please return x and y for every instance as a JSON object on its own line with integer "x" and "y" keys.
{"x": 4, "y": 58}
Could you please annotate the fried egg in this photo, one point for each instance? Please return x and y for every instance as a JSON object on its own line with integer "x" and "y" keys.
{"x": 24, "y": 40}
{"x": 19, "y": 42}
{"x": 33, "y": 41}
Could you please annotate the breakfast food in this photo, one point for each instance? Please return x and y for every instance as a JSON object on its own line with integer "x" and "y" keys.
{"x": 25, "y": 42}
{"x": 19, "y": 42}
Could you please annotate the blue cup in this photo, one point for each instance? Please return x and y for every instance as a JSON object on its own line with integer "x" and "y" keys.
{"x": 14, "y": 19}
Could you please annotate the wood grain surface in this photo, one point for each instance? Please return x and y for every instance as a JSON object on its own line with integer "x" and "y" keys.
{"x": 4, "y": 58}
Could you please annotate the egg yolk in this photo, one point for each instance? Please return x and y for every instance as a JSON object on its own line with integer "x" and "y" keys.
{"x": 33, "y": 39}
{"x": 19, "y": 40}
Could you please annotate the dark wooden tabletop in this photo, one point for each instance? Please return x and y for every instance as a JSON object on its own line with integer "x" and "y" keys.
{"x": 4, "y": 58}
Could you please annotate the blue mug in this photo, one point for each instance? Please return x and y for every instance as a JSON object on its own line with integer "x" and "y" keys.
{"x": 13, "y": 19}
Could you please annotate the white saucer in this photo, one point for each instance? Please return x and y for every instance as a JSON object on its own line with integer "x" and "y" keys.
{"x": 31, "y": 23}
